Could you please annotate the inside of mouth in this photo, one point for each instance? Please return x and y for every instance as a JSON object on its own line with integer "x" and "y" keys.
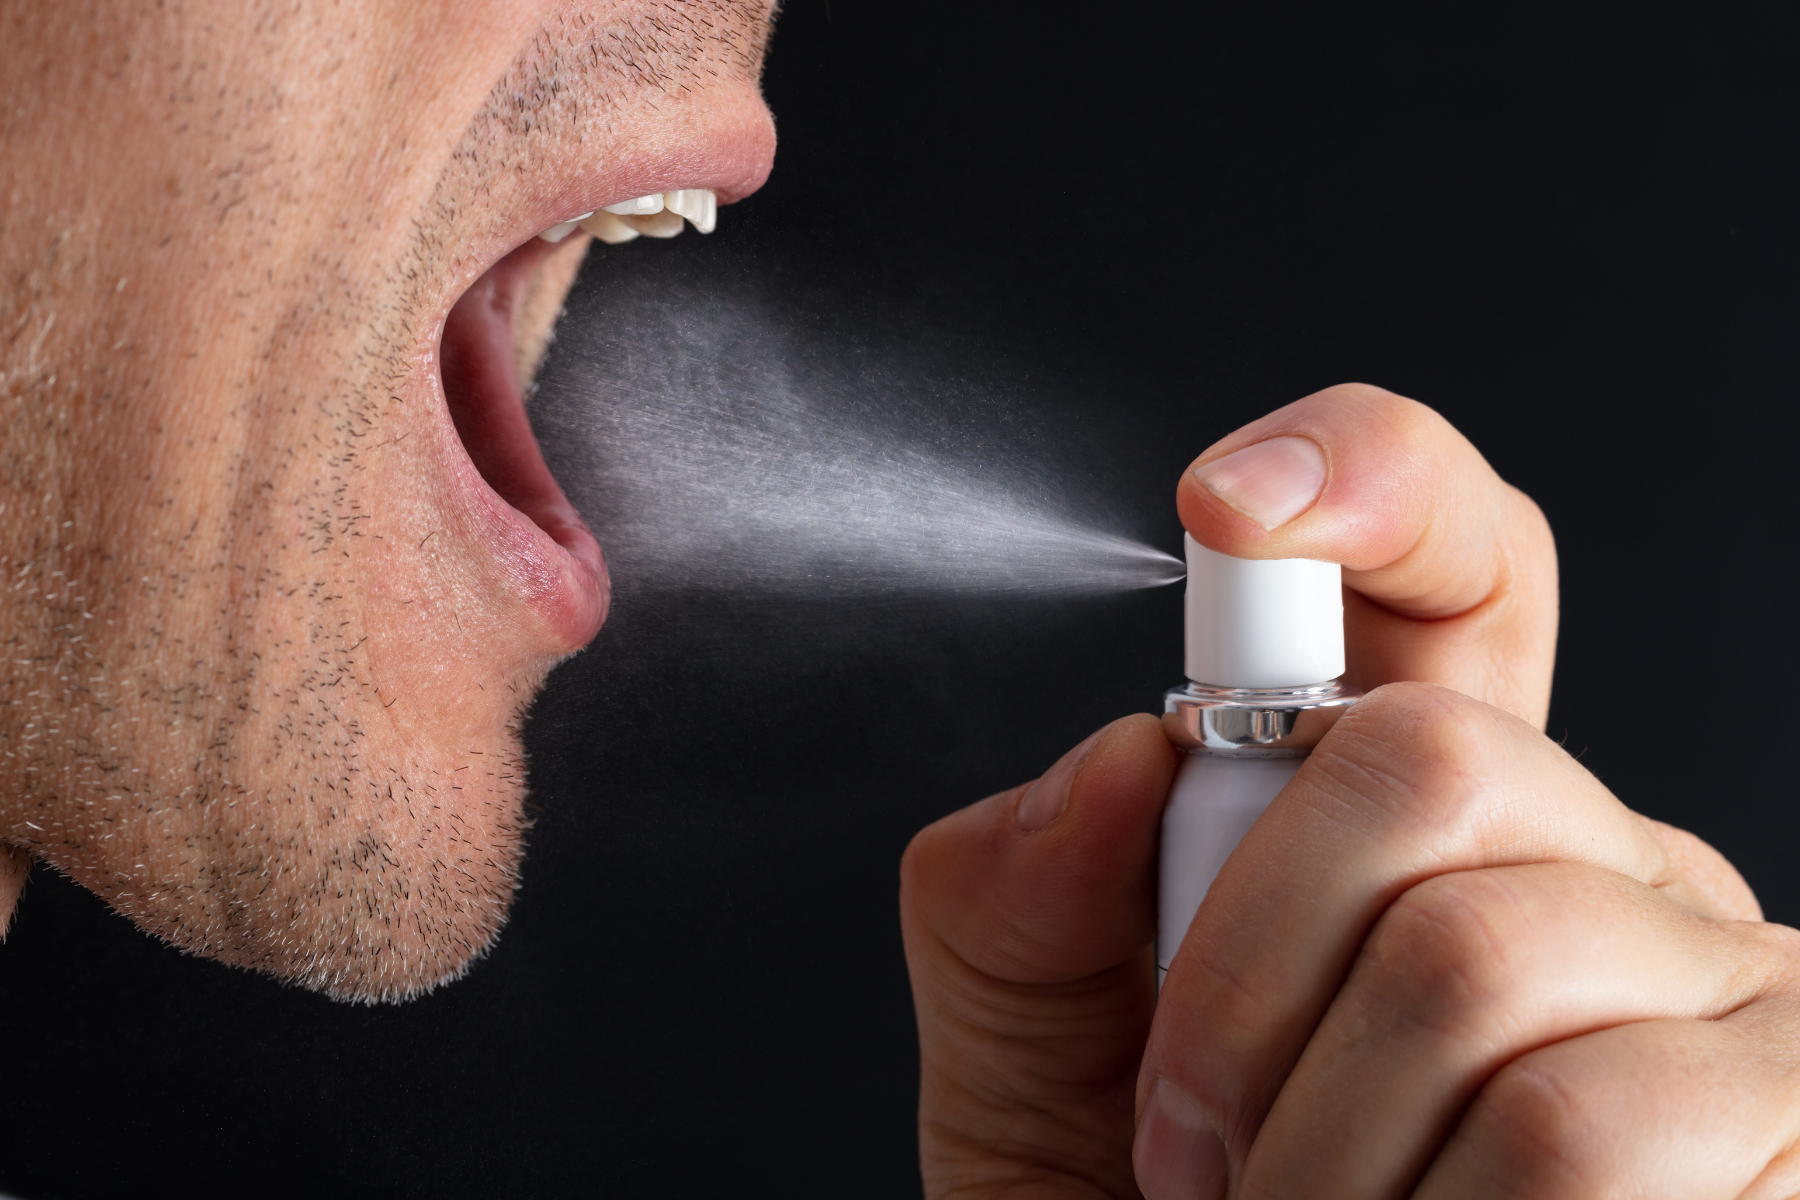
{"x": 483, "y": 363}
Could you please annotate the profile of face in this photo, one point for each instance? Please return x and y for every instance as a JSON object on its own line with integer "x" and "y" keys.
{"x": 282, "y": 564}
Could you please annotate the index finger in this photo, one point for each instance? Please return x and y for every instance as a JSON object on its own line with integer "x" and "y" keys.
{"x": 1450, "y": 572}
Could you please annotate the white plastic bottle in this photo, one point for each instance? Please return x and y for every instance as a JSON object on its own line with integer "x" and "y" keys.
{"x": 1265, "y": 648}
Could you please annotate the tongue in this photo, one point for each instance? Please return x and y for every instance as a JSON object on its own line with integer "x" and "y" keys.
{"x": 487, "y": 406}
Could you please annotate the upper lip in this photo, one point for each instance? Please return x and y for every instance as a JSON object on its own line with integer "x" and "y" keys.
{"x": 731, "y": 161}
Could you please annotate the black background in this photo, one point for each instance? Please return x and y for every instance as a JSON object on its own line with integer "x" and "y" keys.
{"x": 1574, "y": 235}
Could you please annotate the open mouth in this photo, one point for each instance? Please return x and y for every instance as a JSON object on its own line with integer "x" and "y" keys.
{"x": 492, "y": 339}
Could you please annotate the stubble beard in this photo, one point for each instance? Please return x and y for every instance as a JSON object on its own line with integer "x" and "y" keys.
{"x": 195, "y": 723}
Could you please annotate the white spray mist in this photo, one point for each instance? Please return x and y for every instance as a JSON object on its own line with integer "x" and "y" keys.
{"x": 716, "y": 443}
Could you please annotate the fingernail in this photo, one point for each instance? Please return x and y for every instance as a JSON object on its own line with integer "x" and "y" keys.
{"x": 1272, "y": 482}
{"x": 1044, "y": 802}
{"x": 1177, "y": 1156}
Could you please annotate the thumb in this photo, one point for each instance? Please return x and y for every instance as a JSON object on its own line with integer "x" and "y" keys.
{"x": 1053, "y": 881}
{"x": 1451, "y": 571}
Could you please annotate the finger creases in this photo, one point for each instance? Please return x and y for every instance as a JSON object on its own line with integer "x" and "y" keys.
{"x": 1456, "y": 566}
{"x": 1666, "y": 1109}
{"x": 1414, "y": 784}
{"x": 1468, "y": 972}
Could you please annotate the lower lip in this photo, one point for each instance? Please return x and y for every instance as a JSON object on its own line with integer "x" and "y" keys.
{"x": 561, "y": 580}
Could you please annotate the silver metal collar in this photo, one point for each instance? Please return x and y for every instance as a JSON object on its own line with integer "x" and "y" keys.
{"x": 1259, "y": 722}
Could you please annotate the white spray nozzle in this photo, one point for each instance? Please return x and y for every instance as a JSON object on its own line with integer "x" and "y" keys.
{"x": 1262, "y": 623}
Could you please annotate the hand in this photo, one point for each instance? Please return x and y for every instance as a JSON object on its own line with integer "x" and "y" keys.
{"x": 1450, "y": 964}
{"x": 1445, "y": 959}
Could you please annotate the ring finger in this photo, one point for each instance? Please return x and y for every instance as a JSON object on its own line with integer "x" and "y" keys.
{"x": 1661, "y": 1110}
{"x": 1463, "y": 974}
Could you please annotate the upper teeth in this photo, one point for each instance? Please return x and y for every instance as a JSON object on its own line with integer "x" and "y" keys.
{"x": 636, "y": 208}
{"x": 658, "y": 215}
{"x": 699, "y": 205}
{"x": 557, "y": 233}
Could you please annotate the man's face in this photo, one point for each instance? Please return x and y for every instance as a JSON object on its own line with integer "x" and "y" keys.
{"x": 270, "y": 623}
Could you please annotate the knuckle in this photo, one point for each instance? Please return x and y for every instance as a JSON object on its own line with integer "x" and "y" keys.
{"x": 1775, "y": 950}
{"x": 1726, "y": 892}
{"x": 1405, "y": 420}
{"x": 1783, "y": 940}
{"x": 1531, "y": 517}
{"x": 1441, "y": 958}
{"x": 914, "y": 872}
{"x": 921, "y": 850}
{"x": 1413, "y": 751}
{"x": 927, "y": 866}
{"x": 1447, "y": 727}
{"x": 1553, "y": 1128}
{"x": 1526, "y": 563}
{"x": 1361, "y": 393}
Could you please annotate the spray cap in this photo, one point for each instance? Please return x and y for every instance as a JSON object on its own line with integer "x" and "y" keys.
{"x": 1263, "y": 623}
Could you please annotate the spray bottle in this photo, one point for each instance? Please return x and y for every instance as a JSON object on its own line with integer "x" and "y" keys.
{"x": 1265, "y": 648}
